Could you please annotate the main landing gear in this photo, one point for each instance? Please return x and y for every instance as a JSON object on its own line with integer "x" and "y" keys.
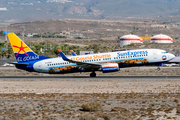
{"x": 93, "y": 74}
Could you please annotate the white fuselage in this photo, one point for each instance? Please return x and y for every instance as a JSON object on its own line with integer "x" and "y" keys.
{"x": 130, "y": 57}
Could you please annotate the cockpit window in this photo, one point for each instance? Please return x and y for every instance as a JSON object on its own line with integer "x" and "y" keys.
{"x": 164, "y": 52}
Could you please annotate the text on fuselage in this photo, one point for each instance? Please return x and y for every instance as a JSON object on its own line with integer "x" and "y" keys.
{"x": 134, "y": 53}
{"x": 27, "y": 58}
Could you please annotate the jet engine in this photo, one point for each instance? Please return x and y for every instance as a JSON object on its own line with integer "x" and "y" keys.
{"x": 110, "y": 67}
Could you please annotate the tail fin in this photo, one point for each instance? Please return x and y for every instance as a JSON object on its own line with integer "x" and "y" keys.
{"x": 22, "y": 52}
{"x": 73, "y": 53}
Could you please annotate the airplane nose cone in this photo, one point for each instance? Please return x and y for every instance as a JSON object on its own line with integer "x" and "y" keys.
{"x": 171, "y": 56}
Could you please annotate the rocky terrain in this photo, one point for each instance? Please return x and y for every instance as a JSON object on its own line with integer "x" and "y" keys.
{"x": 70, "y": 106}
{"x": 26, "y": 11}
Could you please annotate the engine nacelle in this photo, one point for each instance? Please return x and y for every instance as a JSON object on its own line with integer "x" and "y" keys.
{"x": 110, "y": 67}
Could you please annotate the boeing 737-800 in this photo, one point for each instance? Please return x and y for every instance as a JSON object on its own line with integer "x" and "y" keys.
{"x": 105, "y": 62}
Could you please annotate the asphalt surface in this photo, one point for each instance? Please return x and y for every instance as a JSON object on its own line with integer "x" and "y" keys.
{"x": 90, "y": 78}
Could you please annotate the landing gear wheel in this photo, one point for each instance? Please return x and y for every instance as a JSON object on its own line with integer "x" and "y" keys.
{"x": 158, "y": 68}
{"x": 93, "y": 75}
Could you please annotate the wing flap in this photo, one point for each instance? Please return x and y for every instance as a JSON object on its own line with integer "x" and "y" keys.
{"x": 85, "y": 65}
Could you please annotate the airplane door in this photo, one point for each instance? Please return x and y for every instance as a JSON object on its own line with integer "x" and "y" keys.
{"x": 155, "y": 55}
{"x": 40, "y": 67}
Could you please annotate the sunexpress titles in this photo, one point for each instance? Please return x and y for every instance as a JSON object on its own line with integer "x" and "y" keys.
{"x": 134, "y": 53}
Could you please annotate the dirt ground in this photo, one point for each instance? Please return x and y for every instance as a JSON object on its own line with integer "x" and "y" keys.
{"x": 38, "y": 99}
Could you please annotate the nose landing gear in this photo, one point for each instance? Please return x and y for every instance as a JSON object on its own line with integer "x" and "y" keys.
{"x": 158, "y": 68}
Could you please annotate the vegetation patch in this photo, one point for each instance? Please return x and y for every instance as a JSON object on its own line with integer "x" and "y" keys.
{"x": 92, "y": 106}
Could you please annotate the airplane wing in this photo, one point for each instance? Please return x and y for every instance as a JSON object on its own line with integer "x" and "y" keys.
{"x": 80, "y": 64}
{"x": 85, "y": 65}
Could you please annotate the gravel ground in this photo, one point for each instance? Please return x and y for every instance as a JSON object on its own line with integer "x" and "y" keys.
{"x": 63, "y": 99}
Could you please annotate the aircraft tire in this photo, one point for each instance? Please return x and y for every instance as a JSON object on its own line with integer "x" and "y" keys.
{"x": 93, "y": 75}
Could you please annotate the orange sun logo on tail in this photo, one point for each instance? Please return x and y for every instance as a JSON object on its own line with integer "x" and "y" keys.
{"x": 21, "y": 49}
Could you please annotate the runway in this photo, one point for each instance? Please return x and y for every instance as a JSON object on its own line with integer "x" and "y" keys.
{"x": 85, "y": 84}
{"x": 89, "y": 78}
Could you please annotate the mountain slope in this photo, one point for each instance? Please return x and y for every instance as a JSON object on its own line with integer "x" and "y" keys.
{"x": 25, "y": 10}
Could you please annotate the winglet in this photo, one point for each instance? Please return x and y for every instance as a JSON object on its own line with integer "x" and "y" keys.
{"x": 59, "y": 50}
{"x": 63, "y": 56}
{"x": 73, "y": 53}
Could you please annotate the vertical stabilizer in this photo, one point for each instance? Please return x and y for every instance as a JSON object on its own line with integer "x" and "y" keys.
{"x": 22, "y": 52}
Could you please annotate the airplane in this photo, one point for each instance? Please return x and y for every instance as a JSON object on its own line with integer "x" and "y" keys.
{"x": 105, "y": 62}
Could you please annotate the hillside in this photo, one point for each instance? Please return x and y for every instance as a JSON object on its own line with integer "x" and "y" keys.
{"x": 99, "y": 32}
{"x": 25, "y": 10}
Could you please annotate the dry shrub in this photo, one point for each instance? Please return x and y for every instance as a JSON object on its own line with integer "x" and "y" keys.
{"x": 92, "y": 106}
{"x": 28, "y": 118}
{"x": 178, "y": 110}
{"x": 106, "y": 117}
{"x": 176, "y": 100}
{"x": 87, "y": 117}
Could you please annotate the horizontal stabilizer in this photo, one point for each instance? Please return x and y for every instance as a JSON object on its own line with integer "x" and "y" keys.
{"x": 16, "y": 63}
